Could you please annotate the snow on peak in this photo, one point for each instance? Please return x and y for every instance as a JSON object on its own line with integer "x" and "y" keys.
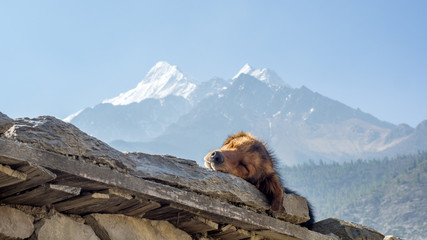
{"x": 245, "y": 70}
{"x": 70, "y": 117}
{"x": 163, "y": 71}
{"x": 262, "y": 74}
{"x": 162, "y": 80}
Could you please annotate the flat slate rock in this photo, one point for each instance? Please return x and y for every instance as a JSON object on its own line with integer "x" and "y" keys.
{"x": 295, "y": 209}
{"x": 5, "y": 123}
{"x": 346, "y": 230}
{"x": 57, "y": 136}
{"x": 187, "y": 174}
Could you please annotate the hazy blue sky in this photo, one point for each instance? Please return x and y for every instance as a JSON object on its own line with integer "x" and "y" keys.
{"x": 57, "y": 57}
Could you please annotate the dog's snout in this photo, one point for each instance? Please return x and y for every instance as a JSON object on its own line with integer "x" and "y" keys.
{"x": 216, "y": 157}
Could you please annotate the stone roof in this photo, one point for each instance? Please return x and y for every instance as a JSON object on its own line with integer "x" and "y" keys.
{"x": 47, "y": 162}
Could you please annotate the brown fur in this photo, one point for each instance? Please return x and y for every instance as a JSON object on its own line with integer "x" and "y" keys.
{"x": 247, "y": 157}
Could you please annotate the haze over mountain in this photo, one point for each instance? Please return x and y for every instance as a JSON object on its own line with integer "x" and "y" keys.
{"x": 168, "y": 114}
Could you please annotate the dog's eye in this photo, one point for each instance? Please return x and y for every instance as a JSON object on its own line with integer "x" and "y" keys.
{"x": 244, "y": 165}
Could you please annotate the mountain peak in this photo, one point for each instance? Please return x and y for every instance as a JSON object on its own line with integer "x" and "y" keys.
{"x": 162, "y": 80}
{"x": 246, "y": 69}
{"x": 163, "y": 63}
{"x": 422, "y": 126}
{"x": 263, "y": 74}
{"x": 163, "y": 70}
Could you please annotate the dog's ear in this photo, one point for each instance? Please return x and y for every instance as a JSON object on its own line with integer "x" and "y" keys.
{"x": 273, "y": 189}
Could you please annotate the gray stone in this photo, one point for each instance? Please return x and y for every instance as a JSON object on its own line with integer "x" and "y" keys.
{"x": 5, "y": 123}
{"x": 121, "y": 227}
{"x": 54, "y": 135}
{"x": 295, "y": 209}
{"x": 60, "y": 226}
{"x": 346, "y": 230}
{"x": 188, "y": 175}
{"x": 15, "y": 224}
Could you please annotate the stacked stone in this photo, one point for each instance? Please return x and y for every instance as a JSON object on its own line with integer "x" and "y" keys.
{"x": 38, "y": 158}
{"x": 21, "y": 224}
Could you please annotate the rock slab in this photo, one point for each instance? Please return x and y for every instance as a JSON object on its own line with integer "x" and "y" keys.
{"x": 188, "y": 175}
{"x": 121, "y": 227}
{"x": 60, "y": 226}
{"x": 295, "y": 209}
{"x": 57, "y": 136}
{"x": 15, "y": 224}
{"x": 346, "y": 230}
{"x": 5, "y": 123}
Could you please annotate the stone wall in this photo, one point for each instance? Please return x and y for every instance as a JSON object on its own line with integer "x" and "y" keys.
{"x": 26, "y": 222}
{"x": 23, "y": 222}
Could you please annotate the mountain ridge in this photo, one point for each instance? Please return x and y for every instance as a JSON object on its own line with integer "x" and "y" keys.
{"x": 263, "y": 74}
{"x": 297, "y": 123}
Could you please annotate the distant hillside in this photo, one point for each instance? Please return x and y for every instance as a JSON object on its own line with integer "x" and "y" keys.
{"x": 389, "y": 195}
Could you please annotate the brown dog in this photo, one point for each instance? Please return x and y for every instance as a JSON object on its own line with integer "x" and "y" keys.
{"x": 245, "y": 156}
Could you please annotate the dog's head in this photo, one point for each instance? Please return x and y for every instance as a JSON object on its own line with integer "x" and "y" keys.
{"x": 245, "y": 156}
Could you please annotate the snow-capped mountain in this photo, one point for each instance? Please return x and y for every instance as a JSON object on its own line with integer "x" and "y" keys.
{"x": 298, "y": 124}
{"x": 162, "y": 80}
{"x": 263, "y": 74}
{"x": 142, "y": 113}
{"x": 167, "y": 114}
